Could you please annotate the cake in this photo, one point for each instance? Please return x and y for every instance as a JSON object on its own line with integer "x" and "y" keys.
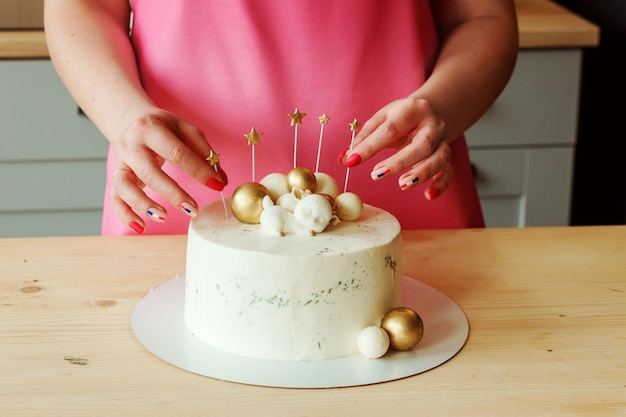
{"x": 292, "y": 296}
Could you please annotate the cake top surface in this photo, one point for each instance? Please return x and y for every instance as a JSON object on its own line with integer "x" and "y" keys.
{"x": 374, "y": 227}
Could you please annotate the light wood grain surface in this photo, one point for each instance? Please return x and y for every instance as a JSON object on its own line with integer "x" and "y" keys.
{"x": 546, "y": 307}
{"x": 542, "y": 24}
{"x": 545, "y": 24}
{"x": 23, "y": 44}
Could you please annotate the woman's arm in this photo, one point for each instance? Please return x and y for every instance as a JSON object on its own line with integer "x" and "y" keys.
{"x": 90, "y": 49}
{"x": 479, "y": 44}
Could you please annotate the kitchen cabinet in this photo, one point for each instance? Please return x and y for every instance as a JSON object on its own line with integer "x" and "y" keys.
{"x": 52, "y": 160}
{"x": 522, "y": 149}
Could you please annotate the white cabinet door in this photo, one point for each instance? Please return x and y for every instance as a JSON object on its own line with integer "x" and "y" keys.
{"x": 51, "y": 159}
{"x": 524, "y": 187}
{"x": 523, "y": 147}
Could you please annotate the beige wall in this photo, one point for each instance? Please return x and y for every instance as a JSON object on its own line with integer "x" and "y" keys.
{"x": 21, "y": 14}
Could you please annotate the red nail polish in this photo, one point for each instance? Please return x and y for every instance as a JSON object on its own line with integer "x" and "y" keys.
{"x": 136, "y": 227}
{"x": 342, "y": 154}
{"x": 215, "y": 184}
{"x": 433, "y": 193}
{"x": 353, "y": 160}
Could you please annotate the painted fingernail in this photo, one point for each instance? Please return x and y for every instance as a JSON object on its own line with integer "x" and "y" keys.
{"x": 157, "y": 215}
{"x": 215, "y": 184}
{"x": 136, "y": 227}
{"x": 380, "y": 173}
{"x": 353, "y": 160}
{"x": 342, "y": 154}
{"x": 433, "y": 193}
{"x": 408, "y": 182}
{"x": 188, "y": 209}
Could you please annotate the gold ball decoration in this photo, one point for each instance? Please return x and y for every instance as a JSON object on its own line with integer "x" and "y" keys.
{"x": 247, "y": 202}
{"x": 302, "y": 178}
{"x": 404, "y": 327}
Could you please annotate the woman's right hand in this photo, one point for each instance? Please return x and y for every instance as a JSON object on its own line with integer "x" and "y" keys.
{"x": 141, "y": 150}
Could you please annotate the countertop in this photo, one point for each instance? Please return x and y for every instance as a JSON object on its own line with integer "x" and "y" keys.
{"x": 542, "y": 24}
{"x": 546, "y": 309}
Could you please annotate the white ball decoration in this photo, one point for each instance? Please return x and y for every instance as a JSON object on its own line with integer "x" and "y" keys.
{"x": 349, "y": 206}
{"x": 326, "y": 185}
{"x": 276, "y": 184}
{"x": 373, "y": 342}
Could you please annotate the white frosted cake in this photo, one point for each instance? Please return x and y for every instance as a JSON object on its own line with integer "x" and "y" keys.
{"x": 290, "y": 297}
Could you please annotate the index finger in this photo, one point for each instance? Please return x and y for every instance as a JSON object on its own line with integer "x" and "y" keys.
{"x": 389, "y": 127}
{"x": 186, "y": 147}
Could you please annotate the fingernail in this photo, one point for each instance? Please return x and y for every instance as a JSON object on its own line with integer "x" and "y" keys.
{"x": 342, "y": 154}
{"x": 188, "y": 209}
{"x": 433, "y": 193}
{"x": 157, "y": 215}
{"x": 380, "y": 173}
{"x": 136, "y": 227}
{"x": 215, "y": 184}
{"x": 408, "y": 182}
{"x": 353, "y": 160}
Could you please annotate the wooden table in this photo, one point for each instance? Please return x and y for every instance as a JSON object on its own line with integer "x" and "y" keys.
{"x": 546, "y": 307}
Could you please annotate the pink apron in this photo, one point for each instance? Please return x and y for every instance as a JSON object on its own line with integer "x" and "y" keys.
{"x": 230, "y": 65}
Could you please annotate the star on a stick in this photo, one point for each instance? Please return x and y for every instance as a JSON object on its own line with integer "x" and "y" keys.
{"x": 296, "y": 117}
{"x": 253, "y": 137}
{"x": 214, "y": 158}
{"x": 354, "y": 126}
{"x": 324, "y": 119}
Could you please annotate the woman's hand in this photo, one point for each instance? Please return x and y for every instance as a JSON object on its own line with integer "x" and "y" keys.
{"x": 141, "y": 150}
{"x": 413, "y": 127}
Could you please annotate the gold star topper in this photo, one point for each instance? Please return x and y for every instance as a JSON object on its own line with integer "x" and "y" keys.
{"x": 296, "y": 117}
{"x": 213, "y": 158}
{"x": 354, "y": 126}
{"x": 253, "y": 137}
{"x": 324, "y": 119}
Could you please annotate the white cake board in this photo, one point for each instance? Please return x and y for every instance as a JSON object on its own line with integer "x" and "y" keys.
{"x": 158, "y": 323}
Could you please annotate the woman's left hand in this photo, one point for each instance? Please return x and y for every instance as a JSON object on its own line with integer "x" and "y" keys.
{"x": 413, "y": 127}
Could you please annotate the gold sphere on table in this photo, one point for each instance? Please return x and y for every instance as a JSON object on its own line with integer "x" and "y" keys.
{"x": 302, "y": 178}
{"x": 404, "y": 327}
{"x": 246, "y": 202}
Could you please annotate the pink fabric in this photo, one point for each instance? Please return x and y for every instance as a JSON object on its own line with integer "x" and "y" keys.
{"x": 230, "y": 65}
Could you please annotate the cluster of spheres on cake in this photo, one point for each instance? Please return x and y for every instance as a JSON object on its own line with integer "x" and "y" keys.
{"x": 306, "y": 202}
{"x": 301, "y": 202}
